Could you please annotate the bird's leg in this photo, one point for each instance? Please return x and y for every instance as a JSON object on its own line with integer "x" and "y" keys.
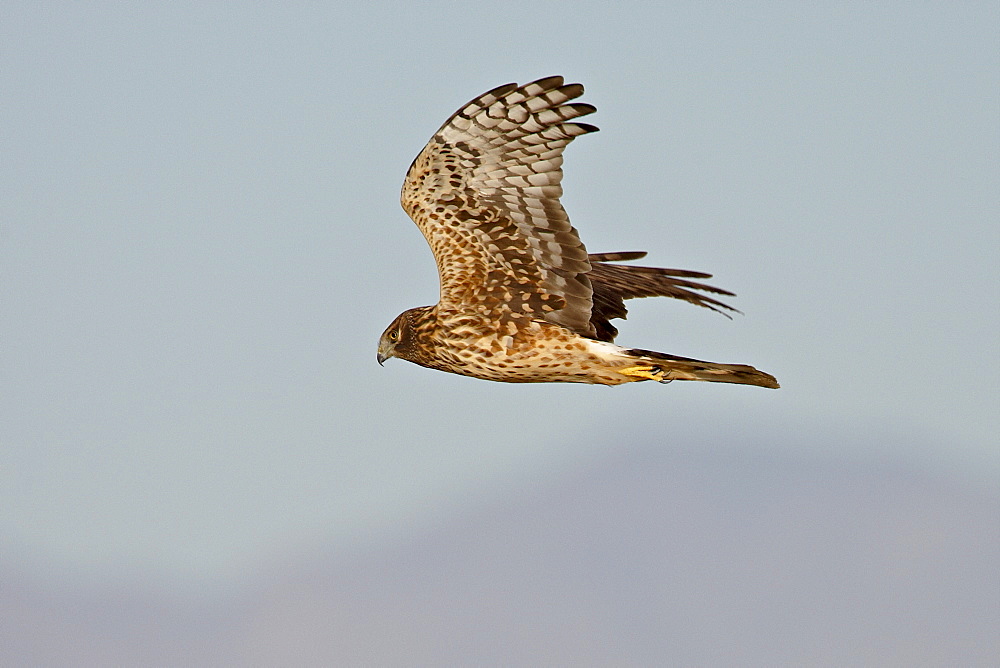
{"x": 646, "y": 372}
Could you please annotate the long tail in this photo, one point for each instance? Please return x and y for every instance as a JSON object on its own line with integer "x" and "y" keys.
{"x": 685, "y": 368}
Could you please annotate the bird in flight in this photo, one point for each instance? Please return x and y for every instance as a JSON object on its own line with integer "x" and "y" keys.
{"x": 521, "y": 299}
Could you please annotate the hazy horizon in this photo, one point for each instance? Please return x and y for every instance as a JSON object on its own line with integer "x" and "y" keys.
{"x": 201, "y": 241}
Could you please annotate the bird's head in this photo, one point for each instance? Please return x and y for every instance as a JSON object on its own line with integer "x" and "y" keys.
{"x": 400, "y": 338}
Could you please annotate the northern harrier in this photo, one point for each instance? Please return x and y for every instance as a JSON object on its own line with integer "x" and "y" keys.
{"x": 521, "y": 299}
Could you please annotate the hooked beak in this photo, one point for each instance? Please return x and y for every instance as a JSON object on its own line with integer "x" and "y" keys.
{"x": 384, "y": 351}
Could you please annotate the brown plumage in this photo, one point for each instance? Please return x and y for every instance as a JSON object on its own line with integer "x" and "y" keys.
{"x": 521, "y": 299}
{"x": 614, "y": 283}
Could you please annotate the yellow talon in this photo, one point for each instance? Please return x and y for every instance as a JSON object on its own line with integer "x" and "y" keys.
{"x": 644, "y": 372}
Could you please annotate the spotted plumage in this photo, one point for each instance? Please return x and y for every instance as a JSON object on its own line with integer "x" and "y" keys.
{"x": 521, "y": 299}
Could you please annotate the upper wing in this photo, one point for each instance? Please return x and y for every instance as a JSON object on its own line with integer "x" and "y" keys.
{"x": 614, "y": 283}
{"x": 485, "y": 193}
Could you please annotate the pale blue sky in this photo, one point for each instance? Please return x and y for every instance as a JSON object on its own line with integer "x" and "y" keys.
{"x": 200, "y": 242}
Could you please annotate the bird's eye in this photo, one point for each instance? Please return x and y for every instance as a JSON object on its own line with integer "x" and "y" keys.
{"x": 394, "y": 335}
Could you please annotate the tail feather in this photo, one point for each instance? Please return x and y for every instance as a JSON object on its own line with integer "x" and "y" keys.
{"x": 685, "y": 368}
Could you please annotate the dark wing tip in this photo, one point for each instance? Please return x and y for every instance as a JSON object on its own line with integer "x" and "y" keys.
{"x": 548, "y": 83}
{"x": 501, "y": 90}
{"x": 621, "y": 256}
{"x": 581, "y": 108}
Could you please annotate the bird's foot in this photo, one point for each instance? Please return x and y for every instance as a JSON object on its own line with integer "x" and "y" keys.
{"x": 646, "y": 372}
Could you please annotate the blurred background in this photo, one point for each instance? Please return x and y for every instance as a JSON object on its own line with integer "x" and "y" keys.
{"x": 200, "y": 243}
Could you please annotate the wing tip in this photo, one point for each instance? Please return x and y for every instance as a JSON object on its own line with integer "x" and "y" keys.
{"x": 547, "y": 83}
{"x": 620, "y": 256}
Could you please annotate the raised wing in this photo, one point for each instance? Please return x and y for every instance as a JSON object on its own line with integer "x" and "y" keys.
{"x": 485, "y": 193}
